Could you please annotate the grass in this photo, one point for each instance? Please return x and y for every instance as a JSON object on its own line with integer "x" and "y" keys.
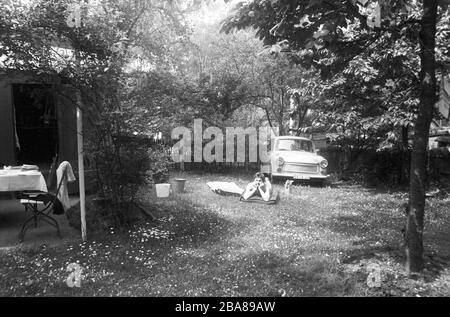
{"x": 315, "y": 242}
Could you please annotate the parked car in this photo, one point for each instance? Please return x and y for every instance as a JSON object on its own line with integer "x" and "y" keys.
{"x": 296, "y": 158}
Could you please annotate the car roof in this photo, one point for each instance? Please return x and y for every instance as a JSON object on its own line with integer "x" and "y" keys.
{"x": 291, "y": 137}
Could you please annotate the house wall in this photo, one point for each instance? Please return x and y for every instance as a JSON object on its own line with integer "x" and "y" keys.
{"x": 67, "y": 128}
{"x": 7, "y": 148}
{"x": 66, "y": 116}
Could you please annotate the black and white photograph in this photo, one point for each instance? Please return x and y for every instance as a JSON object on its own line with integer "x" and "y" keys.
{"x": 226, "y": 155}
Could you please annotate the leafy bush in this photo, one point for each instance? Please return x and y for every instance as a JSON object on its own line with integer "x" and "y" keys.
{"x": 160, "y": 164}
{"x": 123, "y": 165}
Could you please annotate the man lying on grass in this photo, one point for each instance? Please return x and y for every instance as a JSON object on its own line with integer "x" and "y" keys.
{"x": 261, "y": 187}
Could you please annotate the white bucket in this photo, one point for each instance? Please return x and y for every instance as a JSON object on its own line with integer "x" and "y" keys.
{"x": 162, "y": 190}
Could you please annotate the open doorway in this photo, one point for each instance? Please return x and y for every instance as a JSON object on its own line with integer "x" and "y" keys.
{"x": 35, "y": 124}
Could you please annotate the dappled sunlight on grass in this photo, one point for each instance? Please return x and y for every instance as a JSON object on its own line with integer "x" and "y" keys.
{"x": 314, "y": 242}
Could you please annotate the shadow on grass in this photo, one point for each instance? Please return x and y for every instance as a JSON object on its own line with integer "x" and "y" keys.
{"x": 266, "y": 273}
{"x": 379, "y": 235}
{"x": 143, "y": 250}
{"x": 192, "y": 223}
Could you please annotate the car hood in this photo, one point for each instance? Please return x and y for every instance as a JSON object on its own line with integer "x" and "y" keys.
{"x": 299, "y": 157}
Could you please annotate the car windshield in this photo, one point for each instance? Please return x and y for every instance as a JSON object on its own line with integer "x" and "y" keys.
{"x": 295, "y": 145}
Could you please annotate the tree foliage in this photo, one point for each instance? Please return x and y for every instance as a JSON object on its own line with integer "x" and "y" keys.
{"x": 367, "y": 54}
{"x": 383, "y": 57}
{"x": 107, "y": 53}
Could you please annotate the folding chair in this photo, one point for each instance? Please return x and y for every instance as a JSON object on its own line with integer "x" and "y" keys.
{"x": 40, "y": 204}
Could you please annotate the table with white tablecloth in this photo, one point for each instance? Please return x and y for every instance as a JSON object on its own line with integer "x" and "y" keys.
{"x": 17, "y": 180}
{"x": 25, "y": 181}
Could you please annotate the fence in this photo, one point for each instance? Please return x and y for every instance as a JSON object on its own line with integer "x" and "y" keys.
{"x": 389, "y": 167}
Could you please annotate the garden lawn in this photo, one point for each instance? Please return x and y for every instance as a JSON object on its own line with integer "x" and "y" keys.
{"x": 314, "y": 242}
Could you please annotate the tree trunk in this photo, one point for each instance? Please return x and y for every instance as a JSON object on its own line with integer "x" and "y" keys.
{"x": 281, "y": 113}
{"x": 418, "y": 174}
{"x": 406, "y": 157}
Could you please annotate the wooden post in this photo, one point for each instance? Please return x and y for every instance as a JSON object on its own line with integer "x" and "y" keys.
{"x": 81, "y": 167}
{"x": 74, "y": 20}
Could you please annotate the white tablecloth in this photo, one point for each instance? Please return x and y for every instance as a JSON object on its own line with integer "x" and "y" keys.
{"x": 17, "y": 180}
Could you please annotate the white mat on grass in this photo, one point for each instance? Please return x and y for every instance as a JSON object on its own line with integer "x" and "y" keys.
{"x": 224, "y": 188}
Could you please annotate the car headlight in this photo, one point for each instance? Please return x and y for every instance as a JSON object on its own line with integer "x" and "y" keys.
{"x": 324, "y": 164}
{"x": 281, "y": 161}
